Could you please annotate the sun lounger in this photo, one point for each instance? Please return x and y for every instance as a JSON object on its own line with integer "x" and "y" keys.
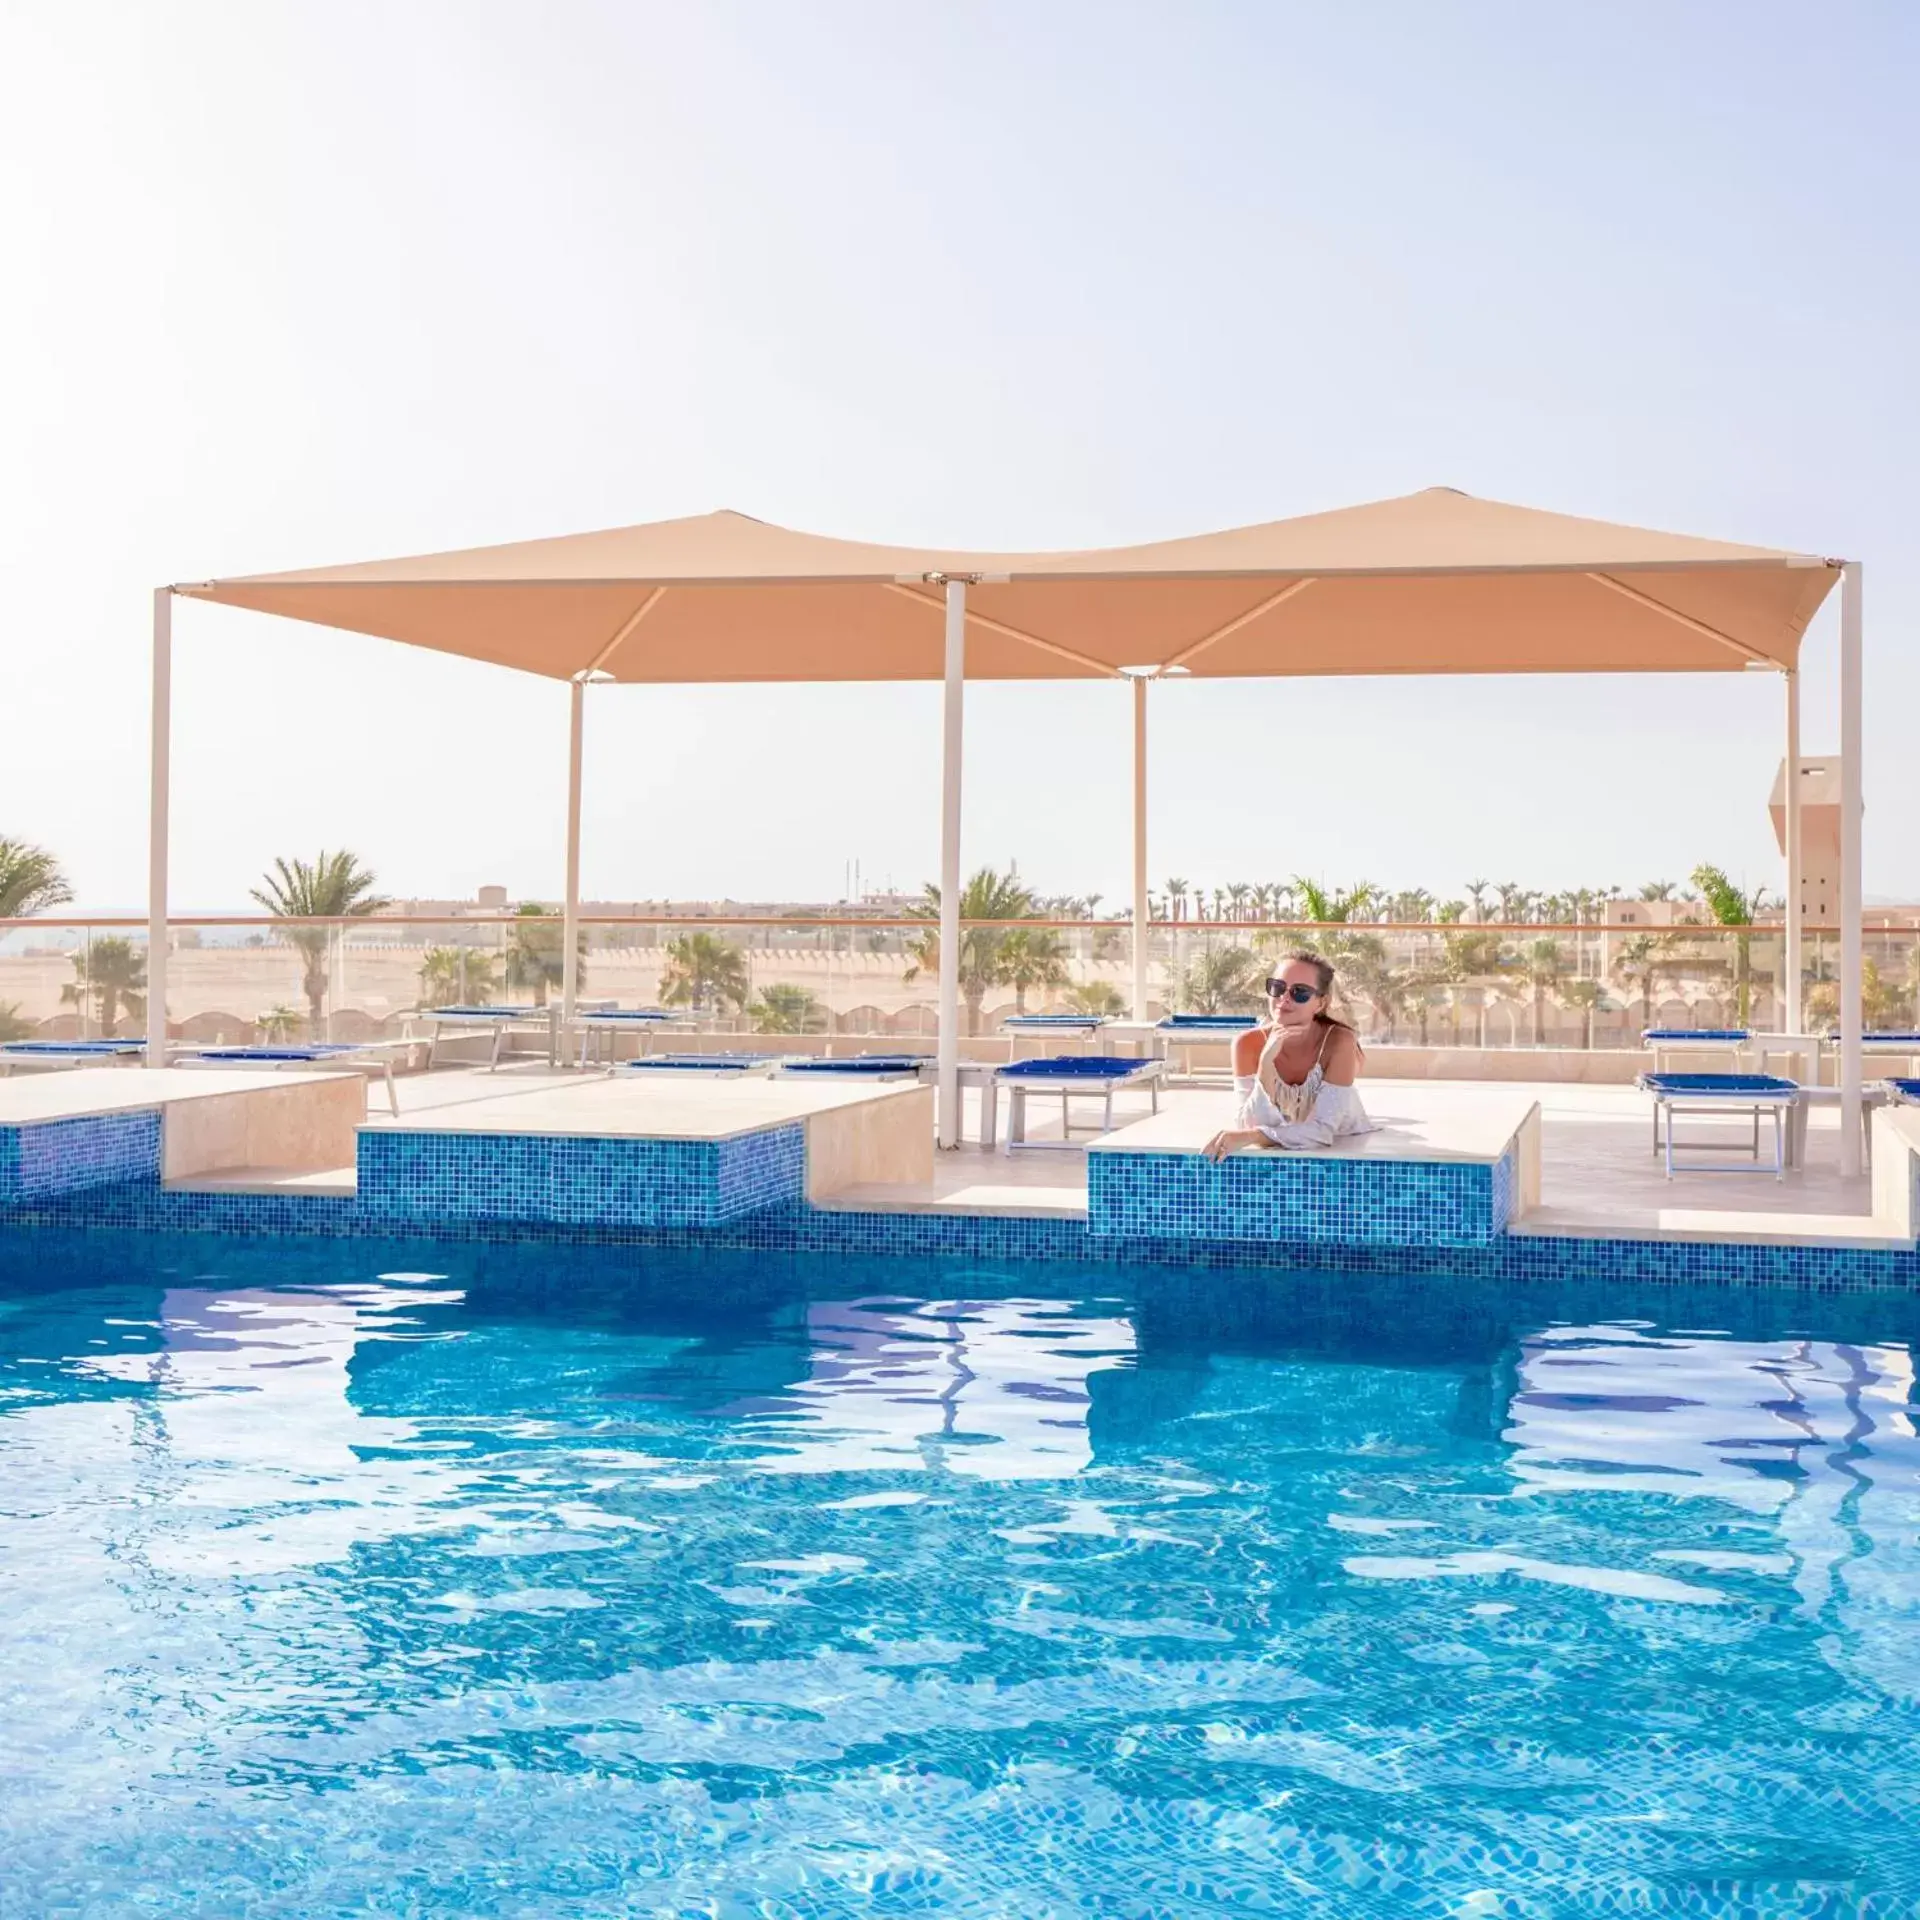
{"x": 1183, "y": 1030}
{"x": 1906, "y": 1093}
{"x": 1052, "y": 1026}
{"x": 644, "y": 1021}
{"x": 501, "y": 1021}
{"x": 1663, "y": 1041}
{"x": 1717, "y": 1094}
{"x": 52, "y": 1055}
{"x": 735, "y": 1066}
{"x": 1899, "y": 1045}
{"x": 1069, "y": 1075}
{"x": 861, "y": 1066}
{"x": 371, "y": 1058}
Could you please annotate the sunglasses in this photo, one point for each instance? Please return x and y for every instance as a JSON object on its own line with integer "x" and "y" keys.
{"x": 1299, "y": 992}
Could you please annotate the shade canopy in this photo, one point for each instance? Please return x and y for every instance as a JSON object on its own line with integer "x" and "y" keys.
{"x": 1434, "y": 582}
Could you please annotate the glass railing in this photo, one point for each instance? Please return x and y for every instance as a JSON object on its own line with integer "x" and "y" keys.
{"x": 1479, "y": 985}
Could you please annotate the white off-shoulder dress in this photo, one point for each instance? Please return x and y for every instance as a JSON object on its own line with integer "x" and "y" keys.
{"x": 1312, "y": 1114}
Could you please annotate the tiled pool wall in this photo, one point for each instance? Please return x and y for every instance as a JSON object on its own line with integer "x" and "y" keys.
{"x": 53, "y": 1157}
{"x": 794, "y": 1226}
{"x": 421, "y": 1179}
{"x": 1297, "y": 1200}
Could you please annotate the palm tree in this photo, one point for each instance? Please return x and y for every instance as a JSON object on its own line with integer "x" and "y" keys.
{"x": 30, "y": 881}
{"x": 112, "y": 973}
{"x": 988, "y": 896}
{"x": 1223, "y": 980}
{"x": 1589, "y": 996}
{"x": 1543, "y": 966}
{"x": 1176, "y": 899}
{"x": 1413, "y": 904}
{"x": 1464, "y": 959}
{"x": 786, "y": 1008}
{"x": 12, "y": 1025}
{"x": 1477, "y": 892}
{"x": 1638, "y": 964}
{"x": 1732, "y": 908}
{"x": 1656, "y": 890}
{"x": 536, "y": 952}
{"x": 1031, "y": 957}
{"x": 1512, "y": 894}
{"x": 1328, "y": 906}
{"x": 1366, "y": 968}
{"x": 1095, "y": 996}
{"x": 334, "y": 887}
{"x": 705, "y": 971}
{"x": 456, "y": 976}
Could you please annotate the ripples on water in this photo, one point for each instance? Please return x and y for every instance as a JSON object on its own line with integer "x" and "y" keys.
{"x": 508, "y": 1582}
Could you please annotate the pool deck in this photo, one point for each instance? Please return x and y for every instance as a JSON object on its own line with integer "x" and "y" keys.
{"x": 1599, "y": 1176}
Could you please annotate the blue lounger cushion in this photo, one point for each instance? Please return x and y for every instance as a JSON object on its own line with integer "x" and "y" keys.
{"x": 490, "y": 1013}
{"x": 1882, "y": 1039}
{"x": 1696, "y": 1033}
{"x": 699, "y": 1062}
{"x": 1907, "y": 1092}
{"x": 73, "y": 1046}
{"x": 1206, "y": 1022}
{"x": 625, "y": 1013}
{"x": 319, "y": 1050}
{"x": 1730, "y": 1085}
{"x": 860, "y": 1063}
{"x": 1055, "y": 1020}
{"x": 1076, "y": 1066}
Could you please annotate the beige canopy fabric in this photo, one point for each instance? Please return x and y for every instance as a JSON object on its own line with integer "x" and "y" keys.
{"x": 1434, "y": 582}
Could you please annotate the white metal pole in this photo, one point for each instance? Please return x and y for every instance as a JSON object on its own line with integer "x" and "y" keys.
{"x": 159, "y": 773}
{"x": 952, "y": 713}
{"x": 1792, "y": 967}
{"x": 1851, "y": 901}
{"x": 1141, "y": 927}
{"x": 569, "y": 934}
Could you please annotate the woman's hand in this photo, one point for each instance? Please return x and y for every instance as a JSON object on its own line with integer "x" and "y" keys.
{"x": 1230, "y": 1140}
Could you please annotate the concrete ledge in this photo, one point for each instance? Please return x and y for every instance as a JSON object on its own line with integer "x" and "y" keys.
{"x": 887, "y": 1142}
{"x": 304, "y": 1122}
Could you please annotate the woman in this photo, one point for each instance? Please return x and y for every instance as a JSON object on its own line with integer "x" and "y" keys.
{"x": 1293, "y": 1078}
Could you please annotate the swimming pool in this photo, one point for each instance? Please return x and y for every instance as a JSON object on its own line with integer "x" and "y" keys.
{"x": 356, "y": 1578}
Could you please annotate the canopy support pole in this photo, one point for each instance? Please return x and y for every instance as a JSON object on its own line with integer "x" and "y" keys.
{"x": 1793, "y": 965}
{"x": 569, "y": 933}
{"x": 1141, "y": 926}
{"x": 159, "y": 774}
{"x": 1851, "y": 901}
{"x": 952, "y": 713}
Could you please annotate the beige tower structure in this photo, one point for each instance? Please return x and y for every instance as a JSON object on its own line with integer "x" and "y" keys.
{"x": 1820, "y": 783}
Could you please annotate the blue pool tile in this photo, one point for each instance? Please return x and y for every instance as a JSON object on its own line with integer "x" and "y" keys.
{"x": 1296, "y": 1198}
{"x": 54, "y": 1157}
{"x": 417, "y": 1178}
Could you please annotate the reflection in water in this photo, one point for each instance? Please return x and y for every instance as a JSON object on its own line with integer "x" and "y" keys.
{"x": 995, "y": 1388}
{"x": 254, "y": 1418}
{"x": 1815, "y": 1437}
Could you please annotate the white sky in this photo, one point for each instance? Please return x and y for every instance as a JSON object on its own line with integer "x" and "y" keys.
{"x": 293, "y": 284}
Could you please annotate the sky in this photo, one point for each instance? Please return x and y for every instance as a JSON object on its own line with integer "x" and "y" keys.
{"x": 292, "y": 284}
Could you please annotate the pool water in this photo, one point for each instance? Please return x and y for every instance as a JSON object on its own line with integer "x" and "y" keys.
{"x": 354, "y": 1579}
